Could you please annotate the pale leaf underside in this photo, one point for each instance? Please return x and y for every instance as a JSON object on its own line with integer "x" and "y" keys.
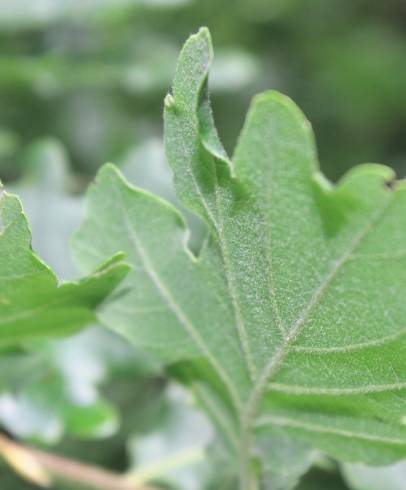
{"x": 296, "y": 301}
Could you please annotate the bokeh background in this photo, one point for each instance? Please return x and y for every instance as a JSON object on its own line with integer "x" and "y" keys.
{"x": 82, "y": 82}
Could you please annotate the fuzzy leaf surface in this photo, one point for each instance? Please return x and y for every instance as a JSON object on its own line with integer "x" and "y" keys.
{"x": 296, "y": 301}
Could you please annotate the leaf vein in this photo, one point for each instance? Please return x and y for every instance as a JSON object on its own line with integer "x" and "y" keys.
{"x": 174, "y": 307}
{"x": 276, "y": 361}
{"x": 312, "y": 427}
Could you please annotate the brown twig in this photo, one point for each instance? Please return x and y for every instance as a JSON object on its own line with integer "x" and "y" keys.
{"x": 41, "y": 467}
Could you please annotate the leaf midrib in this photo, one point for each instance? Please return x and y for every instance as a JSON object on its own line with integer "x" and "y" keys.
{"x": 239, "y": 322}
{"x": 248, "y": 411}
{"x": 176, "y": 309}
{"x": 276, "y": 361}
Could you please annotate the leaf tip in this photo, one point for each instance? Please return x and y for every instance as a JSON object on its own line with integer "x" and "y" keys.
{"x": 193, "y": 66}
{"x": 109, "y": 173}
{"x": 200, "y": 44}
{"x": 108, "y": 168}
{"x": 275, "y": 98}
{"x": 203, "y": 34}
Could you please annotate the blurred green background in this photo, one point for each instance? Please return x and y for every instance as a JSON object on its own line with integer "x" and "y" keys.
{"x": 82, "y": 83}
{"x": 93, "y": 73}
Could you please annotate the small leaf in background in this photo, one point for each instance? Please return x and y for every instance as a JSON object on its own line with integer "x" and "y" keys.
{"x": 57, "y": 388}
{"x": 32, "y": 304}
{"x": 19, "y": 13}
{"x": 233, "y": 70}
{"x": 177, "y": 452}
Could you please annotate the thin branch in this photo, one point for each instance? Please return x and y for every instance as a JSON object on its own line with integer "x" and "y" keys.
{"x": 41, "y": 467}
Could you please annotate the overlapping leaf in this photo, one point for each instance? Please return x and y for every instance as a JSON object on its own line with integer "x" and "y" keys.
{"x": 32, "y": 304}
{"x": 296, "y": 302}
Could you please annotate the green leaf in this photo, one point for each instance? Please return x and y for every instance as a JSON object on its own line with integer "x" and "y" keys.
{"x": 284, "y": 460}
{"x": 177, "y": 451}
{"x": 156, "y": 178}
{"x": 32, "y": 304}
{"x": 296, "y": 300}
{"x": 43, "y": 193}
{"x": 54, "y": 389}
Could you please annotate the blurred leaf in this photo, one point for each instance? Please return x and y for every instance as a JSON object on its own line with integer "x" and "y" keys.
{"x": 370, "y": 54}
{"x": 55, "y": 389}
{"x": 33, "y": 305}
{"x": 9, "y": 143}
{"x": 233, "y": 70}
{"x": 319, "y": 479}
{"x": 264, "y": 10}
{"x": 20, "y": 13}
{"x": 176, "y": 452}
{"x": 363, "y": 477}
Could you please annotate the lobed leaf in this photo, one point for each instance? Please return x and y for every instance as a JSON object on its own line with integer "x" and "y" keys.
{"x": 296, "y": 300}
